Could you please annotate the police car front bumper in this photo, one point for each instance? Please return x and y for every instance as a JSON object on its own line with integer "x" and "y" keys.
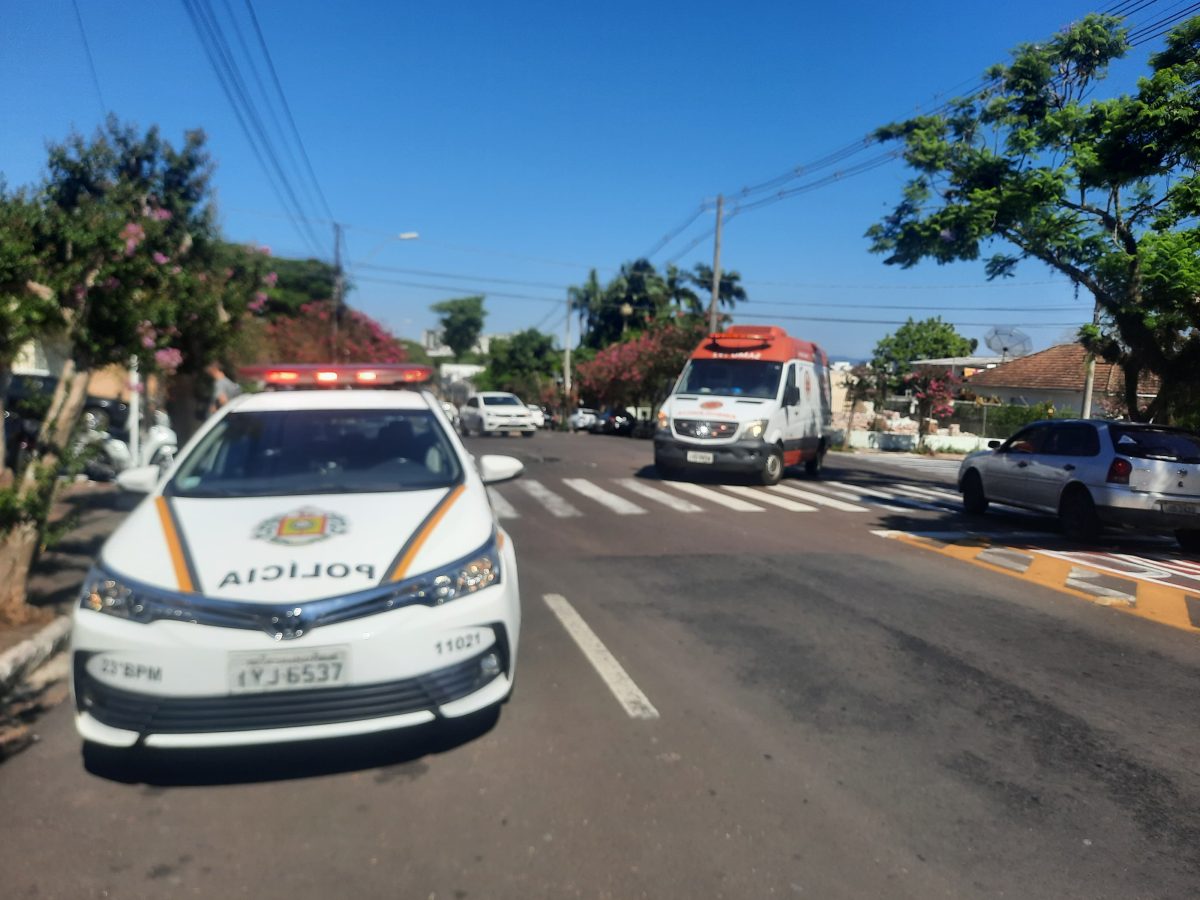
{"x": 181, "y": 684}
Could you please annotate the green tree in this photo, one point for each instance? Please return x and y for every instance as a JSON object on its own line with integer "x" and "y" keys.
{"x": 462, "y": 323}
{"x": 927, "y": 339}
{"x": 1105, "y": 191}
{"x": 729, "y": 293}
{"x": 524, "y": 364}
{"x": 123, "y": 246}
{"x": 300, "y": 281}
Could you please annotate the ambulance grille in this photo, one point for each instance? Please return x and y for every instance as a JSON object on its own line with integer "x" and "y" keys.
{"x": 702, "y": 429}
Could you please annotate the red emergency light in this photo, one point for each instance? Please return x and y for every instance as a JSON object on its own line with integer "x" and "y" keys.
{"x": 317, "y": 375}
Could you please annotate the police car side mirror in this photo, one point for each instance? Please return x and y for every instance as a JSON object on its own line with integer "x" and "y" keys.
{"x": 992, "y": 445}
{"x": 493, "y": 468}
{"x": 140, "y": 480}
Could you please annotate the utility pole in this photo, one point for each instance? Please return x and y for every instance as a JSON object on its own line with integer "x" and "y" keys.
{"x": 567, "y": 353}
{"x": 339, "y": 287}
{"x": 716, "y": 271}
{"x": 1089, "y": 380}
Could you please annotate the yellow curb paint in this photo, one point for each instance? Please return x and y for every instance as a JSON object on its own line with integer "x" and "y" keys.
{"x": 1156, "y": 602}
{"x": 1163, "y": 604}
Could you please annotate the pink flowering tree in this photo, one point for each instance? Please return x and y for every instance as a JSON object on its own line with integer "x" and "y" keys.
{"x": 934, "y": 391}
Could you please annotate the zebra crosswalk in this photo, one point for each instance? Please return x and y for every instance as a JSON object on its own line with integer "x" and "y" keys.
{"x": 567, "y": 498}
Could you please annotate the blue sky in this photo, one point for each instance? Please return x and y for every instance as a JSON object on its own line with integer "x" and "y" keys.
{"x": 527, "y": 142}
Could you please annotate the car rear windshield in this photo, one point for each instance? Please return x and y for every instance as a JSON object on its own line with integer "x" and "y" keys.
{"x": 501, "y": 401}
{"x": 736, "y": 377}
{"x": 325, "y": 451}
{"x": 1156, "y": 443}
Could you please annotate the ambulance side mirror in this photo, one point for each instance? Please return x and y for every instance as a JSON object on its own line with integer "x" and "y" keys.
{"x": 791, "y": 395}
{"x": 493, "y": 468}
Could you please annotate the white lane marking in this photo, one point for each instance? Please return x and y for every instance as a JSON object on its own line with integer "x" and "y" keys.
{"x": 715, "y": 496}
{"x": 652, "y": 493}
{"x": 619, "y": 505}
{"x": 889, "y": 496}
{"x": 628, "y": 694}
{"x": 556, "y": 505}
{"x": 932, "y": 492}
{"x": 819, "y": 499}
{"x": 504, "y": 509}
{"x": 763, "y": 497}
{"x": 917, "y": 494}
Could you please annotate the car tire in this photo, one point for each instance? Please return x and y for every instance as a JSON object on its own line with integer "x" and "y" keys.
{"x": 1077, "y": 515}
{"x": 814, "y": 466}
{"x": 1189, "y": 540}
{"x": 772, "y": 467}
{"x": 527, "y": 434}
{"x": 975, "y": 501}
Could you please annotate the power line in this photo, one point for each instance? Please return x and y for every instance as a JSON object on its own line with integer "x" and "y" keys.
{"x": 232, "y": 85}
{"x": 287, "y": 108}
{"x": 87, "y": 50}
{"x": 741, "y": 315}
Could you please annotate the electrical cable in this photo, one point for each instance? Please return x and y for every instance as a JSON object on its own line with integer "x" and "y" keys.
{"x": 87, "y": 50}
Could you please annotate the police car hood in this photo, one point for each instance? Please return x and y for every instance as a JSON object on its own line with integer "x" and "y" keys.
{"x": 296, "y": 548}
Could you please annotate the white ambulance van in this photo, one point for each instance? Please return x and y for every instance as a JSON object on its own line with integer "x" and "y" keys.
{"x": 751, "y": 400}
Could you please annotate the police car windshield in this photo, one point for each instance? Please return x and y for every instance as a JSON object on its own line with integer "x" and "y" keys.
{"x": 731, "y": 377}
{"x": 320, "y": 451}
{"x": 503, "y": 400}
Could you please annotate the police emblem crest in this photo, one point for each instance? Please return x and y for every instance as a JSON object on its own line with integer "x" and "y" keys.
{"x": 301, "y": 526}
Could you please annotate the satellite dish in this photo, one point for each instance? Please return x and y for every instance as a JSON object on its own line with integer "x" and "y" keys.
{"x": 1008, "y": 342}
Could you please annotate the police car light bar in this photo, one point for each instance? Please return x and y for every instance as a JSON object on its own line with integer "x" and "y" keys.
{"x": 309, "y": 374}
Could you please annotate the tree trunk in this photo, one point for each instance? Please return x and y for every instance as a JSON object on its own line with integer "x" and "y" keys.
{"x": 5, "y": 382}
{"x": 21, "y": 543}
{"x": 183, "y": 407}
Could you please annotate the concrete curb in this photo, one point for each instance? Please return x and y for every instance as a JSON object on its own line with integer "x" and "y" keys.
{"x": 21, "y": 660}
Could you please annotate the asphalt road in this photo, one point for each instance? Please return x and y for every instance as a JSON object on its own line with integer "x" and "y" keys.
{"x": 838, "y": 715}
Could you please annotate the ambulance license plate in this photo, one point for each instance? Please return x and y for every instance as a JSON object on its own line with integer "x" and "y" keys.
{"x": 1175, "y": 508}
{"x": 699, "y": 456}
{"x": 260, "y": 672}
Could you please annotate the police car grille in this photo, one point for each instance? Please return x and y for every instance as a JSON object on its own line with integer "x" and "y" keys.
{"x": 699, "y": 428}
{"x": 149, "y": 714}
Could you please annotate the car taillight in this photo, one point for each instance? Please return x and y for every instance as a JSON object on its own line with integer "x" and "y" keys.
{"x": 1118, "y": 472}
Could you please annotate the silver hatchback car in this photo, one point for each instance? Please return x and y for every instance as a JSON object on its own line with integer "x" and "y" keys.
{"x": 1093, "y": 473}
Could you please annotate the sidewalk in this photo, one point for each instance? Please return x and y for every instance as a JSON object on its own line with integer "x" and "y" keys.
{"x": 33, "y": 666}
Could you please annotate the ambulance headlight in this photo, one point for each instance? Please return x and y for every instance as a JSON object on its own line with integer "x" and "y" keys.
{"x": 663, "y": 420}
{"x": 755, "y": 429}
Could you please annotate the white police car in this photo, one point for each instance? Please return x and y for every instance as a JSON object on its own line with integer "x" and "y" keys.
{"x": 316, "y": 563}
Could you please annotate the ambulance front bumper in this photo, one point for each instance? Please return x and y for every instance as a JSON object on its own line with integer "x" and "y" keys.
{"x": 746, "y": 455}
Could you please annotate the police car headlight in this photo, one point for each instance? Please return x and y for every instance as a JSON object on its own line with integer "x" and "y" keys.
{"x": 103, "y": 592}
{"x": 479, "y": 571}
{"x": 755, "y": 429}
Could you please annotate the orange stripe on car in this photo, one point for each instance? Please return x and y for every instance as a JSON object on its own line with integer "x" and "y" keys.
{"x": 183, "y": 573}
{"x": 400, "y": 569}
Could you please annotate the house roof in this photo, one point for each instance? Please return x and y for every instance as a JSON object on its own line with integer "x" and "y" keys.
{"x": 978, "y": 362}
{"x": 1062, "y": 367}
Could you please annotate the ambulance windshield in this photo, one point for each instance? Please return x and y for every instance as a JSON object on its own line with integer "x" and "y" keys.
{"x": 731, "y": 377}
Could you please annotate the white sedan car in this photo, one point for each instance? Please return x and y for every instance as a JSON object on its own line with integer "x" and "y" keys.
{"x": 496, "y": 412}
{"x": 317, "y": 563}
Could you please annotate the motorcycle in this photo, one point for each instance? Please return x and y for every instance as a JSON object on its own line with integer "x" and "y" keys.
{"x": 111, "y": 453}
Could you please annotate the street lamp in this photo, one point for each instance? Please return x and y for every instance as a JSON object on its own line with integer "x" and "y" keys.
{"x": 402, "y": 236}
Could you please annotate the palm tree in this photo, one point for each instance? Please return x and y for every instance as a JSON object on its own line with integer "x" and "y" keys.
{"x": 587, "y": 300}
{"x": 730, "y": 291}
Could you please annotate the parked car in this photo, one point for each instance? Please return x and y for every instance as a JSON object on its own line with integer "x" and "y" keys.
{"x": 537, "y": 414}
{"x": 1092, "y": 474}
{"x": 615, "y": 421}
{"x": 582, "y": 419}
{"x": 495, "y": 412}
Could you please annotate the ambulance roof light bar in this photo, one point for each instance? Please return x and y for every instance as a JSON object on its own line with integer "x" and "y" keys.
{"x": 348, "y": 375}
